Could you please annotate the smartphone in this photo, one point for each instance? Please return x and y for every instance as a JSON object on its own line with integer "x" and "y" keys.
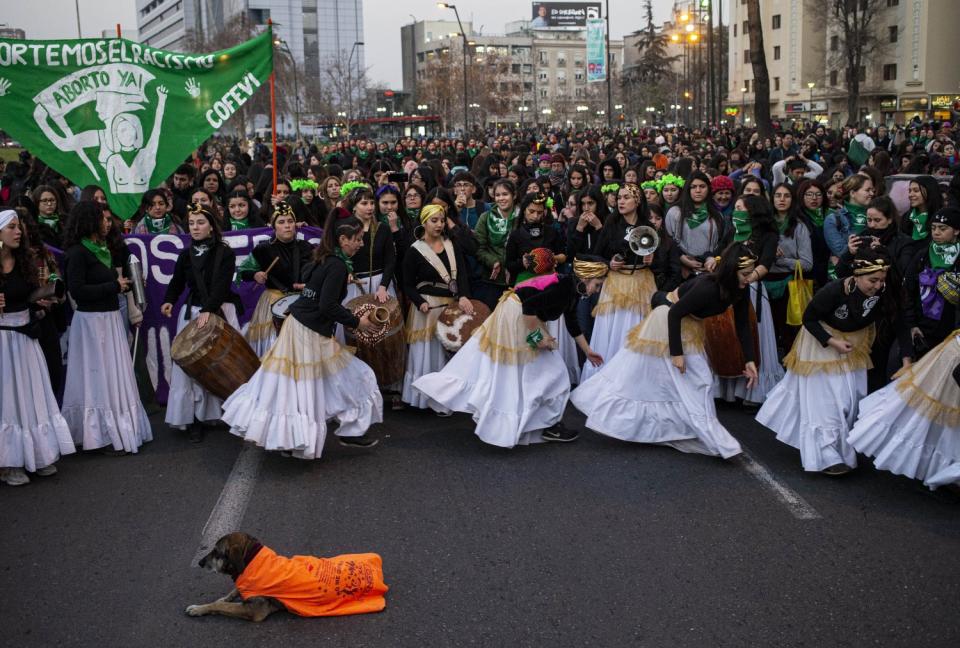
{"x": 398, "y": 177}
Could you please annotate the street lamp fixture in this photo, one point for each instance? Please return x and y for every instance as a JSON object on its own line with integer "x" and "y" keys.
{"x": 282, "y": 44}
{"x": 675, "y": 38}
{"x": 353, "y": 48}
{"x": 811, "y": 85}
{"x": 463, "y": 34}
{"x": 546, "y": 111}
{"x": 618, "y": 107}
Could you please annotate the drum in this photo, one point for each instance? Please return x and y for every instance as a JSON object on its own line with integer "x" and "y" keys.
{"x": 383, "y": 350}
{"x": 455, "y": 327}
{"x": 723, "y": 345}
{"x": 281, "y": 307}
{"x": 216, "y": 356}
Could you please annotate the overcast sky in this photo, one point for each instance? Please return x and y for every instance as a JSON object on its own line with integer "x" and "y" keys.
{"x": 382, "y": 21}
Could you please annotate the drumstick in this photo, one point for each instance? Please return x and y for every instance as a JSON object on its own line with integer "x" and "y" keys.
{"x": 270, "y": 267}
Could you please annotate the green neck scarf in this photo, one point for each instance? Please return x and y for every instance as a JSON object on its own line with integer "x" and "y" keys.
{"x": 498, "y": 226}
{"x": 52, "y": 221}
{"x": 239, "y": 224}
{"x": 741, "y": 226}
{"x": 816, "y": 216}
{"x": 413, "y": 214}
{"x": 158, "y": 225}
{"x": 943, "y": 256}
{"x": 698, "y": 217}
{"x": 343, "y": 257}
{"x": 858, "y": 217}
{"x": 99, "y": 250}
{"x": 782, "y": 224}
{"x": 919, "y": 220}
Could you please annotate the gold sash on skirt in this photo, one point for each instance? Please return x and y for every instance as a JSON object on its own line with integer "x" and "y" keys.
{"x": 808, "y": 357}
{"x": 623, "y": 291}
{"x": 652, "y": 335}
{"x": 420, "y": 326}
{"x": 928, "y": 386}
{"x": 261, "y": 323}
{"x": 301, "y": 353}
{"x": 503, "y": 335}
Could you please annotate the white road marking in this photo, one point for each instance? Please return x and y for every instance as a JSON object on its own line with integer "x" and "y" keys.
{"x": 228, "y": 513}
{"x": 797, "y": 506}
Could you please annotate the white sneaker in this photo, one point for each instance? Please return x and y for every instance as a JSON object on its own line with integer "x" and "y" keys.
{"x": 46, "y": 471}
{"x": 14, "y": 476}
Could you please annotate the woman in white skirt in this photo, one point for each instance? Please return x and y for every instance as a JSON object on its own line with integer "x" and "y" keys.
{"x": 625, "y": 298}
{"x": 754, "y": 226}
{"x": 434, "y": 275}
{"x": 509, "y": 375}
{"x": 205, "y": 269}
{"x": 815, "y": 405}
{"x": 276, "y": 265}
{"x": 911, "y": 427}
{"x": 307, "y": 377}
{"x": 101, "y": 403}
{"x": 33, "y": 433}
{"x": 657, "y": 389}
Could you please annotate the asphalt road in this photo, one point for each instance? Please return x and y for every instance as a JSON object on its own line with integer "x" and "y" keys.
{"x": 595, "y": 543}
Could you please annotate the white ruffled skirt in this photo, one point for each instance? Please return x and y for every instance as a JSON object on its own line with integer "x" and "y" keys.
{"x": 101, "y": 403}
{"x": 911, "y": 427}
{"x": 33, "y": 433}
{"x": 624, "y": 300}
{"x": 305, "y": 380}
{"x": 639, "y": 396}
{"x": 813, "y": 408}
{"x": 260, "y": 332}
{"x": 188, "y": 400}
{"x": 770, "y": 370}
{"x": 512, "y": 392}
{"x": 566, "y": 348}
{"x": 425, "y": 354}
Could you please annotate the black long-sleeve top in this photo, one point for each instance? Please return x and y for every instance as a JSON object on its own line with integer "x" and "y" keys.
{"x": 521, "y": 241}
{"x": 845, "y": 309}
{"x": 253, "y": 220}
{"x": 380, "y": 256}
{"x": 293, "y": 259}
{"x": 611, "y": 241}
{"x": 16, "y": 291}
{"x": 416, "y": 270}
{"x": 666, "y": 266}
{"x": 934, "y": 331}
{"x": 701, "y": 298}
{"x": 217, "y": 280}
{"x": 580, "y": 242}
{"x": 319, "y": 307}
{"x": 556, "y": 300}
{"x": 91, "y": 284}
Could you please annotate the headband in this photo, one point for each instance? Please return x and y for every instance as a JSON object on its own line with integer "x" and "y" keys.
{"x": 429, "y": 211}
{"x": 387, "y": 188}
{"x": 670, "y": 179}
{"x": 196, "y": 209}
{"x": 610, "y": 188}
{"x": 862, "y": 267}
{"x": 282, "y": 209}
{"x": 6, "y": 216}
{"x": 303, "y": 183}
{"x": 746, "y": 261}
{"x": 589, "y": 269}
{"x": 634, "y": 191}
{"x": 350, "y": 186}
{"x": 650, "y": 184}
{"x": 542, "y": 260}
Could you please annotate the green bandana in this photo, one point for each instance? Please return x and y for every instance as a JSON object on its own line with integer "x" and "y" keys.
{"x": 413, "y": 214}
{"x": 698, "y": 217}
{"x": 162, "y": 228}
{"x": 238, "y": 224}
{"x": 741, "y": 225}
{"x": 497, "y": 226}
{"x": 100, "y": 250}
{"x": 816, "y": 216}
{"x": 53, "y": 222}
{"x": 943, "y": 256}
{"x": 782, "y": 224}
{"x": 858, "y": 217}
{"x": 343, "y": 257}
{"x": 919, "y": 220}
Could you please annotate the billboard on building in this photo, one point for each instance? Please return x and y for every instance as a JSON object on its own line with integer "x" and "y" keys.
{"x": 563, "y": 15}
{"x": 596, "y": 50}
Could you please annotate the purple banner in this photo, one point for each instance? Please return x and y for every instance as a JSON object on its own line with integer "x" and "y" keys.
{"x": 158, "y": 253}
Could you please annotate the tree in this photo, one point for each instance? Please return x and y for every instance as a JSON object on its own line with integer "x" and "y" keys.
{"x": 652, "y": 81}
{"x": 490, "y": 84}
{"x": 761, "y": 78}
{"x": 857, "y": 44}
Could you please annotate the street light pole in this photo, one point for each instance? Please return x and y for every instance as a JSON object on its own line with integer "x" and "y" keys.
{"x": 463, "y": 35}
{"x": 811, "y": 85}
{"x": 609, "y": 75}
{"x": 743, "y": 106}
{"x": 353, "y": 48}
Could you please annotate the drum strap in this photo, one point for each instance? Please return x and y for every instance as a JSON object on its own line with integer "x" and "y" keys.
{"x": 198, "y": 278}
{"x": 433, "y": 259}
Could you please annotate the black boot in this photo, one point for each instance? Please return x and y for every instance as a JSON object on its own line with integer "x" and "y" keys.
{"x": 195, "y": 432}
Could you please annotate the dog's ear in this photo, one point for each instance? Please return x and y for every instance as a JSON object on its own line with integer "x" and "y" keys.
{"x": 233, "y": 560}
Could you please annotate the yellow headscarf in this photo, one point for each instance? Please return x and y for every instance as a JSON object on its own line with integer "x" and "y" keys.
{"x": 429, "y": 211}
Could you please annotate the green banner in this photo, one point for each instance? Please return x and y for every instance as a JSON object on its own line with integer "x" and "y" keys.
{"x": 119, "y": 114}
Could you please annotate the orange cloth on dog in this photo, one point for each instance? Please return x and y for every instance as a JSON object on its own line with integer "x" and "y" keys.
{"x": 310, "y": 586}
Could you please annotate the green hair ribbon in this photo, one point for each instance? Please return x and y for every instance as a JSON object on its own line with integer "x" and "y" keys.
{"x": 670, "y": 179}
{"x": 610, "y": 188}
{"x": 350, "y": 186}
{"x": 303, "y": 183}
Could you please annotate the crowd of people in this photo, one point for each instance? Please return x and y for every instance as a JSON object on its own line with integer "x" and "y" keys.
{"x": 790, "y": 276}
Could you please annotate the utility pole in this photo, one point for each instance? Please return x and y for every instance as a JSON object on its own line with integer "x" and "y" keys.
{"x": 609, "y": 74}
{"x": 463, "y": 35}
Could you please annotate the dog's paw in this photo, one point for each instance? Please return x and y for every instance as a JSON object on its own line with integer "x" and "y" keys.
{"x": 195, "y": 610}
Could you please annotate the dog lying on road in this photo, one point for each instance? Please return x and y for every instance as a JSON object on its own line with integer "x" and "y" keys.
{"x": 303, "y": 585}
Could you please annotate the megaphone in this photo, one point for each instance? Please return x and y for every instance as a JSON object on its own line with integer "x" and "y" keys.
{"x": 642, "y": 240}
